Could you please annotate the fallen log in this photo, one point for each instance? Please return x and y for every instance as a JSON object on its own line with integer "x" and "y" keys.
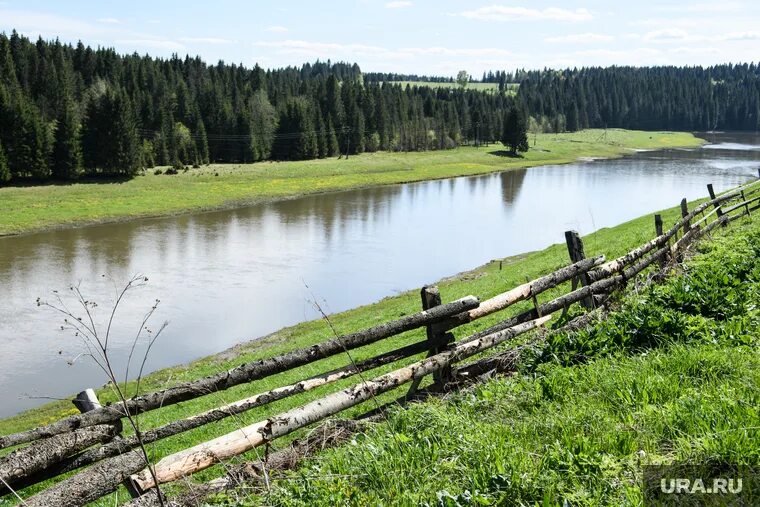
{"x": 207, "y": 454}
{"x": 244, "y": 373}
{"x": 91, "y": 484}
{"x": 523, "y": 292}
{"x": 45, "y": 453}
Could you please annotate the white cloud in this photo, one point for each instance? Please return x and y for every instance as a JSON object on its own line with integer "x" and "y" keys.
{"x": 739, "y": 36}
{"x": 109, "y": 21}
{"x": 706, "y": 7}
{"x": 580, "y": 38}
{"x": 163, "y": 44}
{"x": 309, "y": 49}
{"x": 504, "y": 13}
{"x": 667, "y": 35}
{"x": 206, "y": 40}
{"x": 398, "y": 4}
{"x": 276, "y": 29}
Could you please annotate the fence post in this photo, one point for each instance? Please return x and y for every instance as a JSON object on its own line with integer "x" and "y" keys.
{"x": 436, "y": 337}
{"x": 684, "y": 212}
{"x": 719, "y": 211}
{"x": 746, "y": 204}
{"x": 575, "y": 250}
{"x": 659, "y": 232}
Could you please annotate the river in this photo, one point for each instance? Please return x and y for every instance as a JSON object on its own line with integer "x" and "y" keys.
{"x": 230, "y": 276}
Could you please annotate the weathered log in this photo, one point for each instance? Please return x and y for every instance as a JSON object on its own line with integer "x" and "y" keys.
{"x": 123, "y": 445}
{"x": 244, "y": 373}
{"x": 599, "y": 287}
{"x": 244, "y": 439}
{"x": 91, "y": 484}
{"x": 524, "y": 292}
{"x": 45, "y": 453}
{"x": 743, "y": 203}
{"x": 329, "y": 434}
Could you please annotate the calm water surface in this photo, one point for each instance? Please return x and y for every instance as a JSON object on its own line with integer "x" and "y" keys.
{"x": 230, "y": 276}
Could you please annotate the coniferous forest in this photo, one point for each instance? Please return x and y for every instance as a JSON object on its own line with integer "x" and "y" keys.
{"x": 70, "y": 111}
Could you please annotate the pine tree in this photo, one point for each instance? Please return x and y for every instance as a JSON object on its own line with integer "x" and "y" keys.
{"x": 515, "y": 134}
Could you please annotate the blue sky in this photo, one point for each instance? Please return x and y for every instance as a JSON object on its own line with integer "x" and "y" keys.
{"x": 407, "y": 36}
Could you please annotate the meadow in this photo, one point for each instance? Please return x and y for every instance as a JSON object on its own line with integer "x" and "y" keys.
{"x": 25, "y": 209}
{"x": 482, "y": 87}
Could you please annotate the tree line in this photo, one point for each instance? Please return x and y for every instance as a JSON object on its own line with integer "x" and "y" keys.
{"x": 69, "y": 111}
{"x": 721, "y": 97}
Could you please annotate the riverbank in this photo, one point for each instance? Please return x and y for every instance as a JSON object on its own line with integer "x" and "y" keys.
{"x": 26, "y": 209}
{"x": 483, "y": 282}
{"x": 669, "y": 378}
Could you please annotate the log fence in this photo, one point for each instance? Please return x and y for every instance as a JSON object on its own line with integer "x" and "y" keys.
{"x": 91, "y": 445}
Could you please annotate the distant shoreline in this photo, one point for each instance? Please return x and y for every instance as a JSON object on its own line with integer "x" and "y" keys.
{"x": 33, "y": 209}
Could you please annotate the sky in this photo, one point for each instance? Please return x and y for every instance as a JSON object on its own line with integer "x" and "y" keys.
{"x": 435, "y": 37}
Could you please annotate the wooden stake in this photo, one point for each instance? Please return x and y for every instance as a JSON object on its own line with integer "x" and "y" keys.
{"x": 684, "y": 213}
{"x": 437, "y": 337}
{"x": 575, "y": 250}
{"x": 717, "y": 207}
{"x": 658, "y": 231}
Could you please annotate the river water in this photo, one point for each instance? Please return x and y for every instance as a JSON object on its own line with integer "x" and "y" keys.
{"x": 230, "y": 276}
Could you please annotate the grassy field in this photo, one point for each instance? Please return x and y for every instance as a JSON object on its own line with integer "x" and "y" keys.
{"x": 672, "y": 377}
{"x": 483, "y": 87}
{"x": 29, "y": 208}
{"x": 483, "y": 282}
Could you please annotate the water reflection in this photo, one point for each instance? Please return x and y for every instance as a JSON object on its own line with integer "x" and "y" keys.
{"x": 225, "y": 277}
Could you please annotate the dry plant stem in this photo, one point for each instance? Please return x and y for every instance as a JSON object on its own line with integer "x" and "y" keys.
{"x": 100, "y": 343}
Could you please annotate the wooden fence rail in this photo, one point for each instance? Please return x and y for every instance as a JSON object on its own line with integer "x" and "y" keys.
{"x": 90, "y": 439}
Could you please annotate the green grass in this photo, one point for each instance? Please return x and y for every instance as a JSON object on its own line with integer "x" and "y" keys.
{"x": 483, "y": 87}
{"x": 483, "y": 282}
{"x": 26, "y": 209}
{"x": 670, "y": 377}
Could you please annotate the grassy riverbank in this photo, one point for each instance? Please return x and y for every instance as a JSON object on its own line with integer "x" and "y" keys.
{"x": 672, "y": 376}
{"x": 483, "y": 282}
{"x": 30, "y": 208}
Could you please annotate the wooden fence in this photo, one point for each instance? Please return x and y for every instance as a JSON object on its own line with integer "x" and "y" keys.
{"x": 90, "y": 442}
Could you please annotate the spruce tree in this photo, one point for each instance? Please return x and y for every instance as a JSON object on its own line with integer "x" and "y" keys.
{"x": 515, "y": 134}
{"x": 67, "y": 148}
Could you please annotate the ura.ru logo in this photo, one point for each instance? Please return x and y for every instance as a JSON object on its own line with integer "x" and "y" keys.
{"x": 688, "y": 486}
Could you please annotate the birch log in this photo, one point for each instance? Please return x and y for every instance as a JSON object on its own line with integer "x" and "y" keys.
{"x": 202, "y": 456}
{"x": 524, "y": 291}
{"x": 244, "y": 373}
